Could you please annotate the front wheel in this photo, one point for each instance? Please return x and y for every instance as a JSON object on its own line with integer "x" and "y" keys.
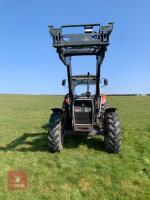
{"x": 55, "y": 135}
{"x": 112, "y": 137}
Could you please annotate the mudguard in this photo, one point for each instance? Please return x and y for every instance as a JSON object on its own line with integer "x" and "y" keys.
{"x": 108, "y": 110}
{"x": 56, "y": 109}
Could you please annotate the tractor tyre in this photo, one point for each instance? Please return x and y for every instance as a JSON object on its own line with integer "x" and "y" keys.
{"x": 55, "y": 135}
{"x": 112, "y": 137}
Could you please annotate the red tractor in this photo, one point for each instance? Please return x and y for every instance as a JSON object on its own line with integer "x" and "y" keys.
{"x": 83, "y": 112}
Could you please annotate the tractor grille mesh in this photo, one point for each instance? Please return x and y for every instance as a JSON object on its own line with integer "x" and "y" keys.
{"x": 83, "y": 112}
{"x": 83, "y": 118}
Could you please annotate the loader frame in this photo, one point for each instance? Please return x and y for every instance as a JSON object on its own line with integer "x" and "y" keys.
{"x": 92, "y": 42}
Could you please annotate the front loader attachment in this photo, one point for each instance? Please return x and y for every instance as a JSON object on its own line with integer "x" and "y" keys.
{"x": 88, "y": 43}
{"x": 93, "y": 40}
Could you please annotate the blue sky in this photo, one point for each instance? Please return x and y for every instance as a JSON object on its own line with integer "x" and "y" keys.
{"x": 29, "y": 64}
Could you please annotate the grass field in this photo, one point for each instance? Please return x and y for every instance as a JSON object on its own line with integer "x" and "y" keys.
{"x": 83, "y": 170}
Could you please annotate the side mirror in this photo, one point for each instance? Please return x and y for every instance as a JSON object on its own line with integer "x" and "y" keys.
{"x": 63, "y": 82}
{"x": 105, "y": 81}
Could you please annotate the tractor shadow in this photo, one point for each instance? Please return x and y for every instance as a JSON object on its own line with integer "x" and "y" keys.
{"x": 74, "y": 141}
{"x": 38, "y": 142}
{"x": 28, "y": 142}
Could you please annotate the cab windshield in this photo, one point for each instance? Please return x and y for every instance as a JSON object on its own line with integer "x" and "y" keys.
{"x": 82, "y": 86}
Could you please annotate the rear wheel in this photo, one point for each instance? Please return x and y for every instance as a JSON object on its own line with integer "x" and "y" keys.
{"x": 112, "y": 138}
{"x": 55, "y": 135}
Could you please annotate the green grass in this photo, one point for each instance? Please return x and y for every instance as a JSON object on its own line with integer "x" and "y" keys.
{"x": 83, "y": 170}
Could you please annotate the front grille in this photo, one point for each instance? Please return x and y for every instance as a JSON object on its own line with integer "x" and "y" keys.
{"x": 83, "y": 111}
{"x": 83, "y": 118}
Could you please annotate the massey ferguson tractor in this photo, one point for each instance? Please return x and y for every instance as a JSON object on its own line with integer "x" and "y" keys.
{"x": 83, "y": 112}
